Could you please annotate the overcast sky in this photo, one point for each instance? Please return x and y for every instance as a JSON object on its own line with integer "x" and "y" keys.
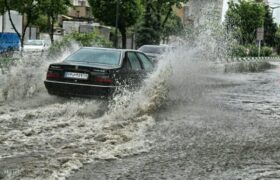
{"x": 276, "y": 11}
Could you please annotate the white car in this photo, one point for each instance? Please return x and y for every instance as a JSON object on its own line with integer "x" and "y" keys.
{"x": 35, "y": 46}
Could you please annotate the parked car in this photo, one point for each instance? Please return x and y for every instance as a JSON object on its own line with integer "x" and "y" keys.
{"x": 9, "y": 42}
{"x": 155, "y": 51}
{"x": 35, "y": 45}
{"x": 92, "y": 71}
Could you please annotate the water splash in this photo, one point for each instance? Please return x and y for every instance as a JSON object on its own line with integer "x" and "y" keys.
{"x": 25, "y": 78}
{"x": 61, "y": 136}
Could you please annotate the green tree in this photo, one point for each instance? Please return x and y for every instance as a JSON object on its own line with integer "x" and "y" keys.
{"x": 147, "y": 29}
{"x": 163, "y": 10}
{"x": 243, "y": 19}
{"x": 94, "y": 38}
{"x": 277, "y": 40}
{"x": 270, "y": 28}
{"x": 156, "y": 16}
{"x": 42, "y": 23}
{"x": 129, "y": 12}
{"x": 173, "y": 26}
{"x": 52, "y": 8}
{"x": 28, "y": 8}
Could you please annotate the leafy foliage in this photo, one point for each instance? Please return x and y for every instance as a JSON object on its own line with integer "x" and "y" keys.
{"x": 147, "y": 30}
{"x": 156, "y": 17}
{"x": 243, "y": 18}
{"x": 277, "y": 40}
{"x": 129, "y": 12}
{"x": 83, "y": 39}
{"x": 52, "y": 8}
{"x": 42, "y": 23}
{"x": 250, "y": 51}
{"x": 174, "y": 26}
{"x": 270, "y": 28}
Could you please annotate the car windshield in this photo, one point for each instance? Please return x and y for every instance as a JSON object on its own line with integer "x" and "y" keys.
{"x": 98, "y": 56}
{"x": 34, "y": 42}
{"x": 152, "y": 49}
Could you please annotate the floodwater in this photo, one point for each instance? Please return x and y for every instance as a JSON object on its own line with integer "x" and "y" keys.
{"x": 189, "y": 120}
{"x": 229, "y": 132}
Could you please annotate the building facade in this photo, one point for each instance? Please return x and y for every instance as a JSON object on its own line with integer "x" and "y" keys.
{"x": 197, "y": 12}
{"x": 5, "y": 24}
{"x": 80, "y": 9}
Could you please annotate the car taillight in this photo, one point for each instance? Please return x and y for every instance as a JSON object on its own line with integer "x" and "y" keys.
{"x": 103, "y": 79}
{"x": 52, "y": 75}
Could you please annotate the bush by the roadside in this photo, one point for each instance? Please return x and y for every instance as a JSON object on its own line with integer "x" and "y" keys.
{"x": 82, "y": 39}
{"x": 250, "y": 51}
{"x": 239, "y": 51}
{"x": 266, "y": 51}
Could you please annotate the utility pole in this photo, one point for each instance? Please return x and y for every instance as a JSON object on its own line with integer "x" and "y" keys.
{"x": 117, "y": 23}
{"x": 260, "y": 37}
{"x": 260, "y": 32}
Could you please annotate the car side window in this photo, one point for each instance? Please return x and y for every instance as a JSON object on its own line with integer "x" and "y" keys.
{"x": 148, "y": 66}
{"x": 134, "y": 61}
{"x": 126, "y": 64}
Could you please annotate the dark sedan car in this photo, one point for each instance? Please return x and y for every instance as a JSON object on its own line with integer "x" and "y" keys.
{"x": 94, "y": 71}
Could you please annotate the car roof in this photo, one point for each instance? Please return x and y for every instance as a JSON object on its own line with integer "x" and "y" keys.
{"x": 114, "y": 49}
{"x": 154, "y": 45}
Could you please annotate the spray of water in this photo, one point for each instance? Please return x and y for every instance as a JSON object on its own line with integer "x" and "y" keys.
{"x": 61, "y": 136}
{"x": 25, "y": 78}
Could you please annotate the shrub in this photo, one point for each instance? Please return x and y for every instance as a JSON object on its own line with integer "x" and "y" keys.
{"x": 239, "y": 51}
{"x": 250, "y": 51}
{"x": 83, "y": 39}
{"x": 266, "y": 51}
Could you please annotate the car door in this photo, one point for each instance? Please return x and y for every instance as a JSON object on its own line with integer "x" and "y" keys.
{"x": 136, "y": 72}
{"x": 147, "y": 64}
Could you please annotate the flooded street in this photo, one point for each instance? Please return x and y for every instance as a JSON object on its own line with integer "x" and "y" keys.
{"x": 202, "y": 104}
{"x": 187, "y": 121}
{"x": 230, "y": 132}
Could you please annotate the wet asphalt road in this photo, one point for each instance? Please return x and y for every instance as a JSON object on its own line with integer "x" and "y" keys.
{"x": 212, "y": 126}
{"x": 230, "y": 131}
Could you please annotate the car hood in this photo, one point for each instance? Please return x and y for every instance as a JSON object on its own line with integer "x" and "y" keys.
{"x": 100, "y": 66}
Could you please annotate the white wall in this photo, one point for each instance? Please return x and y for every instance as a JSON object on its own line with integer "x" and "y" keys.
{"x": 17, "y": 19}
{"x": 1, "y": 26}
{"x": 78, "y": 2}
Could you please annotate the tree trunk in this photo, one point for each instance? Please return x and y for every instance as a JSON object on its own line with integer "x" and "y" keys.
{"x": 23, "y": 33}
{"x": 158, "y": 23}
{"x": 52, "y": 30}
{"x": 21, "y": 37}
{"x": 166, "y": 17}
{"x": 12, "y": 22}
{"x": 123, "y": 32}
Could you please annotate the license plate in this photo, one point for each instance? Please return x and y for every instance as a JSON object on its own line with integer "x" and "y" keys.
{"x": 74, "y": 75}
